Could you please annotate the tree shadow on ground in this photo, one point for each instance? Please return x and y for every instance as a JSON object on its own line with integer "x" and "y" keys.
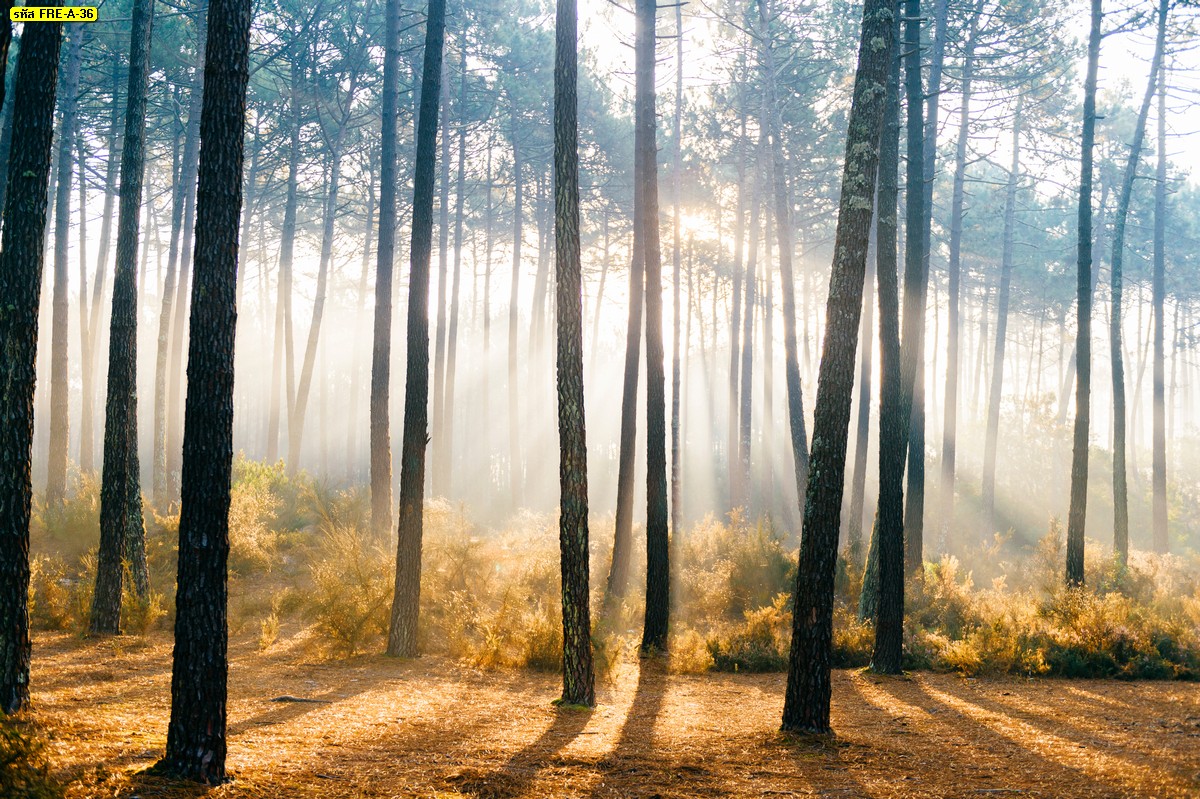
{"x": 516, "y": 776}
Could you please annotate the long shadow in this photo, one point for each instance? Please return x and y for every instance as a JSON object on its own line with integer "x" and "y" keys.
{"x": 516, "y": 775}
{"x": 1009, "y": 747}
{"x": 634, "y": 744}
{"x": 1081, "y": 740}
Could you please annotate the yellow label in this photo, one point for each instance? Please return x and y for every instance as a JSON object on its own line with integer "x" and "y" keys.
{"x": 53, "y": 14}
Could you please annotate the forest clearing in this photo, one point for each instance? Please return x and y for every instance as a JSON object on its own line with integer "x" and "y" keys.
{"x": 378, "y": 727}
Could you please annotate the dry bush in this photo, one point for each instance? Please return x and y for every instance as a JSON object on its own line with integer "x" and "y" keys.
{"x": 24, "y": 773}
{"x": 352, "y": 580}
{"x": 60, "y": 596}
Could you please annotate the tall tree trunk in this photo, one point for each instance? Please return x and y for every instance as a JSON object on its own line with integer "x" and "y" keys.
{"x": 733, "y": 457}
{"x": 783, "y": 229}
{"x": 304, "y": 388}
{"x": 21, "y": 257}
{"x": 439, "y": 454}
{"x": 460, "y": 186}
{"x": 954, "y": 272}
{"x": 162, "y": 353}
{"x": 578, "y": 679}
{"x": 1120, "y": 486}
{"x": 352, "y": 432}
{"x": 402, "y": 635}
{"x": 658, "y": 600}
{"x": 1077, "y": 516}
{"x": 56, "y": 481}
{"x": 1158, "y": 298}
{"x": 91, "y": 366}
{"x": 618, "y": 575}
{"x": 883, "y": 581}
{"x": 196, "y": 732}
{"x": 746, "y": 380}
{"x": 929, "y": 156}
{"x": 121, "y": 528}
{"x": 287, "y": 246}
{"x": 806, "y": 704}
{"x": 988, "y": 487}
{"x": 188, "y": 173}
{"x": 676, "y": 278}
{"x": 515, "y": 471}
{"x": 85, "y": 344}
{"x": 381, "y": 348}
{"x": 916, "y": 286}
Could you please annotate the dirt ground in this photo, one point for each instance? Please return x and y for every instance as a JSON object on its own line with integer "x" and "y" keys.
{"x": 432, "y": 728}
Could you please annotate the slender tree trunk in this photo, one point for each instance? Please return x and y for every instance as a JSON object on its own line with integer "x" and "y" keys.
{"x": 381, "y": 349}
{"x": 402, "y": 635}
{"x": 618, "y": 575}
{"x": 196, "y": 733}
{"x": 806, "y": 704}
{"x": 988, "y": 487}
{"x": 352, "y": 433}
{"x": 191, "y": 160}
{"x": 658, "y": 600}
{"x": 954, "y": 272}
{"x": 287, "y": 244}
{"x": 121, "y": 529}
{"x": 746, "y": 380}
{"x": 676, "y": 280}
{"x": 516, "y": 474}
{"x": 883, "y": 581}
{"x": 452, "y": 335}
{"x": 783, "y": 229}
{"x": 1077, "y": 517}
{"x": 21, "y": 257}
{"x": 304, "y": 388}
{"x": 85, "y": 344}
{"x": 1120, "y": 486}
{"x": 916, "y": 286}
{"x": 159, "y": 468}
{"x": 439, "y": 454}
{"x": 1158, "y": 297}
{"x": 578, "y": 680}
{"x": 737, "y": 491}
{"x": 56, "y": 481}
{"x": 90, "y": 368}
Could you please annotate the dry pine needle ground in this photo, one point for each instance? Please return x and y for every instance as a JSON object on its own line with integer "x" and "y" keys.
{"x": 430, "y": 728}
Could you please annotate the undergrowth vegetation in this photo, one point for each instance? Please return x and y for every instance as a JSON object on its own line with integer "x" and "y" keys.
{"x": 304, "y": 567}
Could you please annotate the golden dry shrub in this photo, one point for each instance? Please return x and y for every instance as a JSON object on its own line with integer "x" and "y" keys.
{"x": 351, "y": 594}
{"x": 253, "y": 542}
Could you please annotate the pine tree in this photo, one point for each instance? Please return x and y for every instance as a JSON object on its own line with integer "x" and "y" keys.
{"x": 21, "y": 255}
{"x": 806, "y": 704}
{"x": 196, "y": 741}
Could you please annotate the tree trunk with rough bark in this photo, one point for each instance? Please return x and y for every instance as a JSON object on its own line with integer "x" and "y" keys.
{"x": 658, "y": 600}
{"x": 578, "y": 677}
{"x": 121, "y": 526}
{"x": 1077, "y": 516}
{"x": 807, "y": 700}
{"x": 1158, "y": 465}
{"x": 1116, "y": 355}
{"x": 196, "y": 734}
{"x": 56, "y": 480}
{"x": 883, "y": 581}
{"x": 381, "y": 348}
{"x": 402, "y": 634}
{"x": 21, "y": 256}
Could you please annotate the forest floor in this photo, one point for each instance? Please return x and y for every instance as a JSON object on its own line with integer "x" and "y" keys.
{"x": 432, "y": 728}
